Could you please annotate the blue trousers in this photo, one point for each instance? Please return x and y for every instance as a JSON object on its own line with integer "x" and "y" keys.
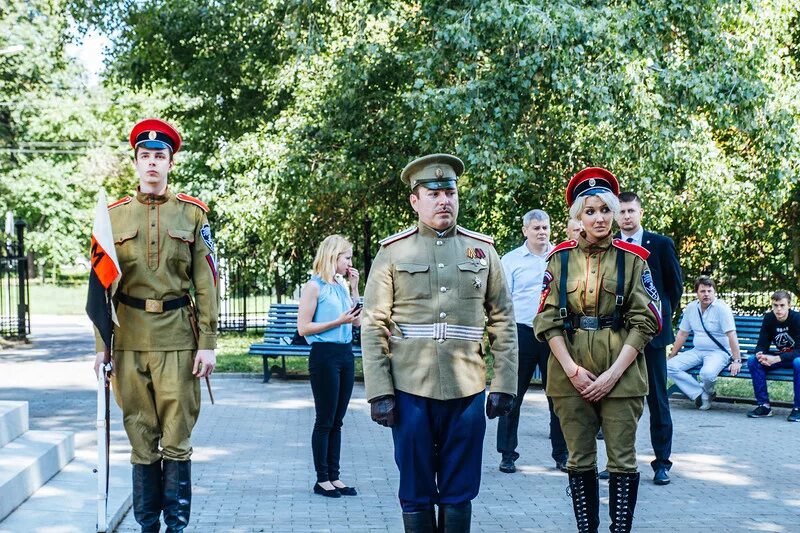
{"x": 759, "y": 372}
{"x": 438, "y": 446}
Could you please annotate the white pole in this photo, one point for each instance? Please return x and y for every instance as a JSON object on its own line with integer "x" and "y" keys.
{"x": 102, "y": 496}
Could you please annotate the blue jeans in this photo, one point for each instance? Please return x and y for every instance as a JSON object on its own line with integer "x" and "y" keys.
{"x": 759, "y": 375}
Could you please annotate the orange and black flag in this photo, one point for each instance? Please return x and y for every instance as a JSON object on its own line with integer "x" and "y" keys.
{"x": 105, "y": 272}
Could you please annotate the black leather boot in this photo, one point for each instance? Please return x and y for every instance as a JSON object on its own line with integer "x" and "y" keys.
{"x": 585, "y": 491}
{"x": 622, "y": 492}
{"x": 455, "y": 518}
{"x": 420, "y": 522}
{"x": 177, "y": 494}
{"x": 147, "y": 496}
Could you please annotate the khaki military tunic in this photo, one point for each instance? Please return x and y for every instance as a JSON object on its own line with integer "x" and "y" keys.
{"x": 165, "y": 250}
{"x": 435, "y": 293}
{"x": 591, "y": 290}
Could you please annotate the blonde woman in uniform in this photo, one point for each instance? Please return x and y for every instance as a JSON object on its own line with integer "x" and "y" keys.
{"x": 599, "y": 310}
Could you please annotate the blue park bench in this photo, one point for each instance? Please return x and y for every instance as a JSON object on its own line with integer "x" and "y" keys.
{"x": 747, "y": 329}
{"x": 281, "y": 327}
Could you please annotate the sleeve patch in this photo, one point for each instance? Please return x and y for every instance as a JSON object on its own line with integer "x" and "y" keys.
{"x": 548, "y": 277}
{"x": 213, "y": 266}
{"x": 649, "y": 286}
{"x": 205, "y": 233}
{"x": 656, "y": 311}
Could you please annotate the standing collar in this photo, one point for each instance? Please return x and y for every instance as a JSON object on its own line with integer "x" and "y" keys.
{"x": 428, "y": 231}
{"x": 600, "y": 246}
{"x": 146, "y": 198}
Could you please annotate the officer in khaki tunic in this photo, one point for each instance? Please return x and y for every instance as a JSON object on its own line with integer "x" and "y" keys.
{"x": 599, "y": 310}
{"x": 165, "y": 343}
{"x": 432, "y": 290}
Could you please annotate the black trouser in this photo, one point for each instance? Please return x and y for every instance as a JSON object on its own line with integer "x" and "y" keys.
{"x": 331, "y": 370}
{"x": 658, "y": 405}
{"x": 531, "y": 353}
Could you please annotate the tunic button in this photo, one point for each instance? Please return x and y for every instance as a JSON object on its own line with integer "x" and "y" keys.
{"x": 440, "y": 341}
{"x": 591, "y": 290}
{"x": 441, "y": 265}
{"x": 443, "y": 289}
{"x": 594, "y": 271}
{"x": 438, "y": 243}
{"x": 442, "y": 315}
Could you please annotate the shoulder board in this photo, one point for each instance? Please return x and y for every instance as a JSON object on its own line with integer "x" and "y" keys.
{"x": 475, "y": 235}
{"x": 635, "y": 249}
{"x": 120, "y": 202}
{"x": 399, "y": 236}
{"x": 566, "y": 245}
{"x": 192, "y": 200}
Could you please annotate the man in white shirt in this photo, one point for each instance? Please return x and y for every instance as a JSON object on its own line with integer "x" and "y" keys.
{"x": 524, "y": 268}
{"x": 715, "y": 342}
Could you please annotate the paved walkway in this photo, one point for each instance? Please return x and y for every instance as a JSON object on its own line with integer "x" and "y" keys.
{"x": 253, "y": 467}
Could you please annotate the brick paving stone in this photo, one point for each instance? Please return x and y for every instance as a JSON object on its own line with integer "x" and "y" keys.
{"x": 253, "y": 462}
{"x": 253, "y": 466}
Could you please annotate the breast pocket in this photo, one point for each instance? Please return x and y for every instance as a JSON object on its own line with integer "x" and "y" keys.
{"x": 179, "y": 245}
{"x": 125, "y": 245}
{"x": 412, "y": 281}
{"x": 472, "y": 278}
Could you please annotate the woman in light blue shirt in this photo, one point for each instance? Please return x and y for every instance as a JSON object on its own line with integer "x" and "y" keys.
{"x": 328, "y": 310}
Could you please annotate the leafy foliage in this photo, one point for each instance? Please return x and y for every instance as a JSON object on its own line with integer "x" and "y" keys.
{"x": 300, "y": 115}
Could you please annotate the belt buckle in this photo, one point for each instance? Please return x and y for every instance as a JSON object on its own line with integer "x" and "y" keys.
{"x": 591, "y": 323}
{"x": 154, "y": 306}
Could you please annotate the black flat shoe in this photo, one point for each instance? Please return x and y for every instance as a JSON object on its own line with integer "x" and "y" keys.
{"x": 327, "y": 493}
{"x": 347, "y": 491}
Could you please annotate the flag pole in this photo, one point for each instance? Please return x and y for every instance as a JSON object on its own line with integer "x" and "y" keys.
{"x": 104, "y": 430}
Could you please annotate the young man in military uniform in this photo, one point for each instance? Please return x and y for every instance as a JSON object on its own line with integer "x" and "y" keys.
{"x": 165, "y": 342}
{"x": 431, "y": 289}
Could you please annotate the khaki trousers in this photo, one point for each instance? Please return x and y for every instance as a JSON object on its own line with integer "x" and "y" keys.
{"x": 160, "y": 402}
{"x": 580, "y": 421}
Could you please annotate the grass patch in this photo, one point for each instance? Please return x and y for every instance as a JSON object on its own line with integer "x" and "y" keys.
{"x": 49, "y": 299}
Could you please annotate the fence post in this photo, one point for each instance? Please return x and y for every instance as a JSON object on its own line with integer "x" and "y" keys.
{"x": 22, "y": 274}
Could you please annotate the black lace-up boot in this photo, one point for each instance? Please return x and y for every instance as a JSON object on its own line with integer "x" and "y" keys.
{"x": 585, "y": 491}
{"x": 622, "y": 492}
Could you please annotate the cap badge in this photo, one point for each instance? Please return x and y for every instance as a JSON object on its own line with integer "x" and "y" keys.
{"x": 439, "y": 173}
{"x": 592, "y": 182}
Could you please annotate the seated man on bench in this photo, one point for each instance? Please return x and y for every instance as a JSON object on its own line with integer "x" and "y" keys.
{"x": 711, "y": 321}
{"x": 781, "y": 327}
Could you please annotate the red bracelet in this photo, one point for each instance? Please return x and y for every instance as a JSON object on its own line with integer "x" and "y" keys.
{"x": 577, "y": 369}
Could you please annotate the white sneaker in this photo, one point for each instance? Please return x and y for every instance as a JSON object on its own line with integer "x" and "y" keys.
{"x": 705, "y": 402}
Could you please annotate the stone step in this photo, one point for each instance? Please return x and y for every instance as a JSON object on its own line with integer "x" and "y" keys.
{"x": 13, "y": 420}
{"x": 68, "y": 502}
{"x": 27, "y": 462}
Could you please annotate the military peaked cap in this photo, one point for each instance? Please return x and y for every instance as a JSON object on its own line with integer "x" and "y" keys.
{"x": 155, "y": 134}
{"x": 435, "y": 171}
{"x": 591, "y": 181}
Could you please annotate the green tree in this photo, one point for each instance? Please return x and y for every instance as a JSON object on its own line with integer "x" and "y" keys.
{"x": 303, "y": 114}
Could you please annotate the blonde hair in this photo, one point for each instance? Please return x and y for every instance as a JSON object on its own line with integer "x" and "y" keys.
{"x": 327, "y": 254}
{"x": 606, "y": 197}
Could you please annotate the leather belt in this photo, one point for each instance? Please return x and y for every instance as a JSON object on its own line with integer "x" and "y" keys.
{"x": 592, "y": 323}
{"x": 151, "y": 305}
{"x": 440, "y": 331}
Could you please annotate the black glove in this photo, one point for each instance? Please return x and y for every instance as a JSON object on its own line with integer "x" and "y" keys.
{"x": 498, "y": 404}
{"x": 383, "y": 411}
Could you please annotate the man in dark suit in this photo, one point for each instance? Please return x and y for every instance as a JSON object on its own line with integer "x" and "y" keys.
{"x": 668, "y": 279}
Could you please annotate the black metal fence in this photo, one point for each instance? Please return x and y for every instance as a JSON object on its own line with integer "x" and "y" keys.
{"x": 15, "y": 320}
{"x": 245, "y": 295}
